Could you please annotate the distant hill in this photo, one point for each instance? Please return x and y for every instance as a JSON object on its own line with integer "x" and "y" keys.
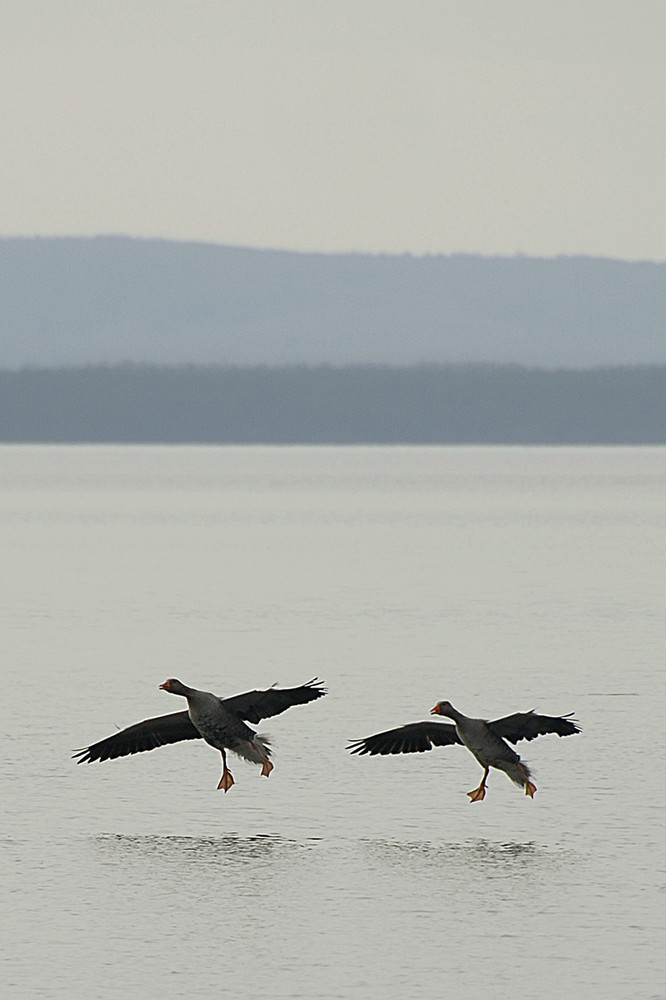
{"x": 108, "y": 299}
{"x": 371, "y": 404}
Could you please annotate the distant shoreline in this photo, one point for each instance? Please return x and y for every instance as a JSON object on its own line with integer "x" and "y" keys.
{"x": 363, "y": 404}
{"x": 81, "y": 300}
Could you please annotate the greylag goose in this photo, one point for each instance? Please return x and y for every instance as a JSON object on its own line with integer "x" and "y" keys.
{"x": 221, "y": 722}
{"x": 486, "y": 740}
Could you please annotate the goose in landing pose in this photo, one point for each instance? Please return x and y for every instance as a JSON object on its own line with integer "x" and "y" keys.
{"x": 486, "y": 740}
{"x": 221, "y": 722}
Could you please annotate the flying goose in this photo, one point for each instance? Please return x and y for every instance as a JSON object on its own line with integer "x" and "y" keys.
{"x": 221, "y": 722}
{"x": 486, "y": 740}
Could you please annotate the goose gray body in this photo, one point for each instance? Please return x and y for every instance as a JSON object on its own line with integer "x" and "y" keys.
{"x": 219, "y": 726}
{"x": 489, "y": 749}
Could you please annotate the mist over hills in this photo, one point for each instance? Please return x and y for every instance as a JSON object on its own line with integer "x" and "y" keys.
{"x": 119, "y": 339}
{"x": 113, "y": 299}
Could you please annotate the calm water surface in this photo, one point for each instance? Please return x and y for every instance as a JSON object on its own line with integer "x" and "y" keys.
{"x": 502, "y": 579}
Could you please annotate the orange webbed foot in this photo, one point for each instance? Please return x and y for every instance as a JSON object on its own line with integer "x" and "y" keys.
{"x": 226, "y": 781}
{"x": 530, "y": 787}
{"x": 478, "y": 794}
{"x": 266, "y": 768}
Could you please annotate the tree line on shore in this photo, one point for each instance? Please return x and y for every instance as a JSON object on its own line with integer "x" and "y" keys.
{"x": 360, "y": 404}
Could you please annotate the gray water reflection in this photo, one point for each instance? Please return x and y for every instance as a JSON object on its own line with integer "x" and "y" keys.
{"x": 485, "y": 857}
{"x": 228, "y": 851}
{"x": 232, "y": 852}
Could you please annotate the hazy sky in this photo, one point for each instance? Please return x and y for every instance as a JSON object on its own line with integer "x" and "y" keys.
{"x": 430, "y": 126}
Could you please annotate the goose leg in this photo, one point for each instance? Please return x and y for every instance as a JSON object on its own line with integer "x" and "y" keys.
{"x": 480, "y": 793}
{"x": 227, "y": 779}
{"x": 266, "y": 766}
{"x": 530, "y": 787}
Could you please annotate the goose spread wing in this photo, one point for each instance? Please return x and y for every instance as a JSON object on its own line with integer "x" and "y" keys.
{"x": 413, "y": 738}
{"x": 528, "y": 725}
{"x": 146, "y": 735}
{"x": 253, "y": 706}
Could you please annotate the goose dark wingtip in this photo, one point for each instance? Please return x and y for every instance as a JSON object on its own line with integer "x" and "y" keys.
{"x": 574, "y": 723}
{"x": 316, "y": 685}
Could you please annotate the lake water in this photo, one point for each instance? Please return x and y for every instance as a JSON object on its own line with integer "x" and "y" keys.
{"x": 503, "y": 579}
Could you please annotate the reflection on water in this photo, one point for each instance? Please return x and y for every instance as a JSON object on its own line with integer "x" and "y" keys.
{"x": 229, "y": 850}
{"x": 482, "y": 855}
{"x": 234, "y": 852}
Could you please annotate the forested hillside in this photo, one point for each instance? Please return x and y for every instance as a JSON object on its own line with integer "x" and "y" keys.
{"x": 108, "y": 300}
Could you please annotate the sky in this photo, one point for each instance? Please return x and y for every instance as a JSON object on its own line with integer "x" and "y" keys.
{"x": 384, "y": 126}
